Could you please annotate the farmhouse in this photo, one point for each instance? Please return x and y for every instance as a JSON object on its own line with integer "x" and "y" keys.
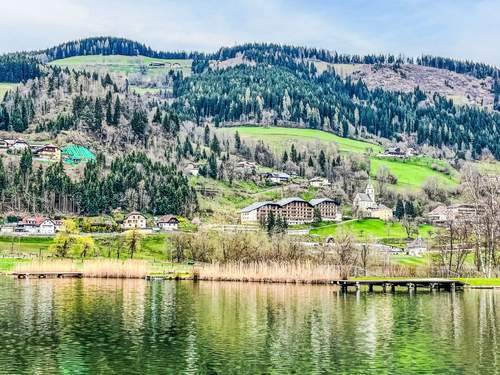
{"x": 168, "y": 223}
{"x": 17, "y": 145}
{"x": 276, "y": 177}
{"x": 134, "y": 220}
{"x": 319, "y": 182}
{"x": 327, "y": 208}
{"x": 50, "y": 152}
{"x": 417, "y": 247}
{"x": 442, "y": 214}
{"x": 365, "y": 205}
{"x": 34, "y": 225}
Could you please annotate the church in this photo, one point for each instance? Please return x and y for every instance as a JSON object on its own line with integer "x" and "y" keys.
{"x": 365, "y": 205}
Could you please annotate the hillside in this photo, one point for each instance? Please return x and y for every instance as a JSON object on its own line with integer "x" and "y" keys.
{"x": 411, "y": 173}
{"x": 461, "y": 88}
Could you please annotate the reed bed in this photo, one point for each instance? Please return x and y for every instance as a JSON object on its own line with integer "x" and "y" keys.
{"x": 116, "y": 269}
{"x": 271, "y": 272}
{"x": 56, "y": 265}
{"x": 96, "y": 268}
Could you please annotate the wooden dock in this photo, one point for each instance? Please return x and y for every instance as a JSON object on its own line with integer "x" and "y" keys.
{"x": 409, "y": 284}
{"x": 46, "y": 275}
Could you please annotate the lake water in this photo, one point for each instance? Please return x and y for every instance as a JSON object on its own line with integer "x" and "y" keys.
{"x": 137, "y": 327}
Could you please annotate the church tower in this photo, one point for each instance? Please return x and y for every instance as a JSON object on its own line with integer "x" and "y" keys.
{"x": 370, "y": 191}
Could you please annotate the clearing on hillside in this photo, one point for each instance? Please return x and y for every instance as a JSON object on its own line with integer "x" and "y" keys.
{"x": 411, "y": 173}
{"x": 4, "y": 87}
{"x": 125, "y": 64}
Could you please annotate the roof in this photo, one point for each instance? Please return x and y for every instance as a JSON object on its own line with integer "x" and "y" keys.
{"x": 285, "y": 201}
{"x": 41, "y": 148}
{"x": 134, "y": 213}
{"x": 439, "y": 210}
{"x": 33, "y": 220}
{"x": 256, "y": 205}
{"x": 363, "y": 197}
{"x": 167, "y": 219}
{"x": 78, "y": 152}
{"x": 317, "y": 201}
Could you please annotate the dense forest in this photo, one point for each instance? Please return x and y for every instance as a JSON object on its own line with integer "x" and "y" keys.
{"x": 132, "y": 182}
{"x": 107, "y": 46}
{"x": 18, "y": 68}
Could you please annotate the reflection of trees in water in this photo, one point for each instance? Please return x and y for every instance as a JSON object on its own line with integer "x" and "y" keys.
{"x": 95, "y": 325}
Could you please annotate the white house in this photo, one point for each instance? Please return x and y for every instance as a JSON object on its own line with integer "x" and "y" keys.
{"x": 47, "y": 227}
{"x": 134, "y": 220}
{"x": 168, "y": 223}
{"x": 319, "y": 182}
{"x": 417, "y": 247}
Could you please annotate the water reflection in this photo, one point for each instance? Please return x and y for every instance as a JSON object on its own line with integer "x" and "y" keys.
{"x": 133, "y": 326}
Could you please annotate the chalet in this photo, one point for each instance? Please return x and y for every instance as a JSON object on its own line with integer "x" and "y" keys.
{"x": 134, "y": 220}
{"x": 327, "y": 208}
{"x": 31, "y": 224}
{"x": 168, "y": 223}
{"x": 365, "y": 204}
{"x": 277, "y": 177}
{"x": 49, "y": 152}
{"x": 439, "y": 215}
{"x": 16, "y": 145}
{"x": 319, "y": 182}
{"x": 394, "y": 152}
{"x": 460, "y": 212}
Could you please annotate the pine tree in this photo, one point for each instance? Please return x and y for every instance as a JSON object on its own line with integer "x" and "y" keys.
{"x": 284, "y": 159}
{"x": 215, "y": 145}
{"x": 237, "y": 140}
{"x": 322, "y": 160}
{"x": 157, "y": 116}
{"x": 98, "y": 114}
{"x": 399, "y": 212}
{"x": 117, "y": 112}
{"x": 109, "y": 113}
{"x": 212, "y": 166}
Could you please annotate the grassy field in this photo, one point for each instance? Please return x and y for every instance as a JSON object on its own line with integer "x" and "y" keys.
{"x": 411, "y": 173}
{"x": 4, "y": 87}
{"x": 123, "y": 64}
{"x": 282, "y": 138}
{"x": 375, "y": 228}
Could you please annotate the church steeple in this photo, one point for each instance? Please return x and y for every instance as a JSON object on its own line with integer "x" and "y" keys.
{"x": 370, "y": 191}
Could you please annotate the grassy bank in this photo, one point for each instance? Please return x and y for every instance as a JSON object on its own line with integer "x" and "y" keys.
{"x": 4, "y": 87}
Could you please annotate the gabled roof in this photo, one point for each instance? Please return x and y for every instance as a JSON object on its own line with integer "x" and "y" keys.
{"x": 256, "y": 205}
{"x": 167, "y": 219}
{"x": 134, "y": 213}
{"x": 317, "y": 201}
{"x": 285, "y": 201}
{"x": 439, "y": 210}
{"x": 33, "y": 220}
{"x": 363, "y": 197}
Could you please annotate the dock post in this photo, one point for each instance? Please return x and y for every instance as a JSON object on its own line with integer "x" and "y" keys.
{"x": 393, "y": 288}
{"x": 370, "y": 288}
{"x": 357, "y": 286}
{"x": 384, "y": 288}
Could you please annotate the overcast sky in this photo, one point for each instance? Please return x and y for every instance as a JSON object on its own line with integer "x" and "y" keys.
{"x": 467, "y": 29}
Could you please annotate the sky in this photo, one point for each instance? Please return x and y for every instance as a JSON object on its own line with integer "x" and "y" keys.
{"x": 464, "y": 29}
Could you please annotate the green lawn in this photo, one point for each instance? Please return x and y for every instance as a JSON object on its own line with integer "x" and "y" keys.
{"x": 480, "y": 281}
{"x": 4, "y": 87}
{"x": 375, "y": 228}
{"x": 411, "y": 173}
{"x": 123, "y": 64}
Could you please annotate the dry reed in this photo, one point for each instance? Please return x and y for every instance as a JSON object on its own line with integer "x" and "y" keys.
{"x": 99, "y": 268}
{"x": 297, "y": 272}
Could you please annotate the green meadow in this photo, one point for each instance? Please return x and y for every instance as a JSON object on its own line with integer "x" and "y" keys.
{"x": 123, "y": 64}
{"x": 375, "y": 228}
{"x": 411, "y": 173}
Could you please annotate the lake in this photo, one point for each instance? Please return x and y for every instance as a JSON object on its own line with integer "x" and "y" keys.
{"x": 95, "y": 326}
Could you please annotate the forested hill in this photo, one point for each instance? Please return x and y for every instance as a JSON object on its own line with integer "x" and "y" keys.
{"x": 266, "y": 84}
{"x": 108, "y": 46}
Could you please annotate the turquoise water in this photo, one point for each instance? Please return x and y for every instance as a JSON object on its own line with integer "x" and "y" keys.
{"x": 137, "y": 327}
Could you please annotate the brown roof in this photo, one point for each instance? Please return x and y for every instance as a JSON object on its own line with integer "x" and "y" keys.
{"x": 167, "y": 219}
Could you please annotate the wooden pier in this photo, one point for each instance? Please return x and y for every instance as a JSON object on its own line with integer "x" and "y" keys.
{"x": 46, "y": 275}
{"x": 409, "y": 284}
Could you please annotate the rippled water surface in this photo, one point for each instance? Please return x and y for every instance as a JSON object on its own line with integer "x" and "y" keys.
{"x": 138, "y": 327}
